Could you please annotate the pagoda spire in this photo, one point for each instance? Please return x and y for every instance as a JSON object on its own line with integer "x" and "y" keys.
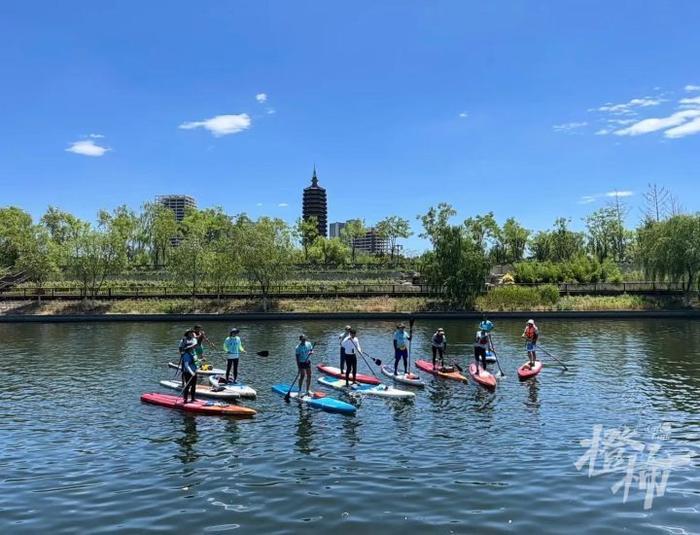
{"x": 314, "y": 178}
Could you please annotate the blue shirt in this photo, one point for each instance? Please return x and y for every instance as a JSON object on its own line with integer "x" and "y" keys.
{"x": 303, "y": 350}
{"x": 188, "y": 364}
{"x": 401, "y": 339}
{"x": 233, "y": 346}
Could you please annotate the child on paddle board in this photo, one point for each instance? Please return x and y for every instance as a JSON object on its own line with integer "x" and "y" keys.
{"x": 531, "y": 334}
{"x": 352, "y": 347}
{"x": 303, "y": 353}
{"x": 482, "y": 343}
{"x": 188, "y": 368}
{"x": 401, "y": 339}
{"x": 439, "y": 346}
{"x": 233, "y": 347}
{"x": 342, "y": 337}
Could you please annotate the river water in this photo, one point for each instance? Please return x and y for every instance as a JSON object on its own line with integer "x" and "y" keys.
{"x": 80, "y": 453}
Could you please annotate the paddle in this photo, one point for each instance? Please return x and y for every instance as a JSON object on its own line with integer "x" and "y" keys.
{"x": 376, "y": 361}
{"x": 410, "y": 338}
{"x": 493, "y": 350}
{"x": 552, "y": 356}
{"x": 193, "y": 378}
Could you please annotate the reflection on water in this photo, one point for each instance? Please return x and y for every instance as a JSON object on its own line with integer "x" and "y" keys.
{"x": 459, "y": 458}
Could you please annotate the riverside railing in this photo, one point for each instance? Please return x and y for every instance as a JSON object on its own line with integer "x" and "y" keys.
{"x": 296, "y": 290}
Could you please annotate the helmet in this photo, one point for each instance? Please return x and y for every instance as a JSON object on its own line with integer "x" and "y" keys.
{"x": 235, "y": 331}
{"x": 486, "y": 325}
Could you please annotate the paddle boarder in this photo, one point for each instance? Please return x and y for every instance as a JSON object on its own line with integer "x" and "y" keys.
{"x": 201, "y": 337}
{"x": 342, "y": 337}
{"x": 233, "y": 347}
{"x": 401, "y": 338}
{"x": 439, "y": 346}
{"x": 303, "y": 353}
{"x": 531, "y": 334}
{"x": 482, "y": 343}
{"x": 188, "y": 368}
{"x": 352, "y": 347}
{"x": 184, "y": 342}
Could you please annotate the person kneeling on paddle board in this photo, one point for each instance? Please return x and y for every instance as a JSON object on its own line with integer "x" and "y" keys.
{"x": 401, "y": 339}
{"x": 352, "y": 347}
{"x": 439, "y": 346}
{"x": 303, "y": 353}
{"x": 189, "y": 370}
{"x": 531, "y": 334}
{"x": 233, "y": 347}
{"x": 342, "y": 337}
{"x": 482, "y": 343}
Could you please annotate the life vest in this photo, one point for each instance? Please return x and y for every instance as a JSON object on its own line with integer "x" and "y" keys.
{"x": 482, "y": 338}
{"x": 531, "y": 332}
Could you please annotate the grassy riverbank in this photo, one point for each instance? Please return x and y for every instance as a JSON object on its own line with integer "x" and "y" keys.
{"x": 377, "y": 304}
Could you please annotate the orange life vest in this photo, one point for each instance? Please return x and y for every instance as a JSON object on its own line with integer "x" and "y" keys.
{"x": 531, "y": 332}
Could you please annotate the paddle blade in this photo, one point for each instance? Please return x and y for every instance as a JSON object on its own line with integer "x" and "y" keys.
{"x": 459, "y": 368}
{"x": 263, "y": 353}
{"x": 378, "y": 362}
{"x": 287, "y": 397}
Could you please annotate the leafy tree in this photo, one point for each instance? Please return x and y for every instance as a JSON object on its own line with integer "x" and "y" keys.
{"x": 307, "y": 230}
{"x": 514, "y": 240}
{"x": 330, "y": 250}
{"x": 15, "y": 230}
{"x": 265, "y": 251}
{"x": 354, "y": 229}
{"x": 483, "y": 230}
{"x": 38, "y": 256}
{"x": 159, "y": 229}
{"x": 559, "y": 244}
{"x": 125, "y": 224}
{"x": 436, "y": 220}
{"x": 392, "y": 228}
{"x": 62, "y": 226}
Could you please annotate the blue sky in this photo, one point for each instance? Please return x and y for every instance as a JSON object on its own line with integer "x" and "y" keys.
{"x": 530, "y": 109}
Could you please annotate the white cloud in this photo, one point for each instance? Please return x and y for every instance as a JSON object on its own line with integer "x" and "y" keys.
{"x": 463, "y": 115}
{"x": 87, "y": 147}
{"x": 258, "y": 204}
{"x": 221, "y": 125}
{"x": 271, "y": 111}
{"x": 261, "y": 97}
{"x": 691, "y": 87}
{"x": 568, "y": 127}
{"x": 619, "y": 194}
{"x": 688, "y": 129}
{"x": 283, "y": 205}
{"x": 647, "y": 126}
{"x": 95, "y": 136}
{"x": 690, "y": 102}
{"x": 629, "y": 107}
{"x": 587, "y": 199}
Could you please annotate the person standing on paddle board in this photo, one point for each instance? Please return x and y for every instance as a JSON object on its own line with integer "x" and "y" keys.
{"x": 401, "y": 339}
{"x": 482, "y": 343}
{"x": 342, "y": 337}
{"x": 531, "y": 334}
{"x": 201, "y": 337}
{"x": 352, "y": 347}
{"x": 439, "y": 346}
{"x": 188, "y": 368}
{"x": 303, "y": 353}
{"x": 233, "y": 347}
{"x": 184, "y": 342}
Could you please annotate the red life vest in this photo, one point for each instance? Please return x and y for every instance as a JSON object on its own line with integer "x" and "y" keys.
{"x": 531, "y": 332}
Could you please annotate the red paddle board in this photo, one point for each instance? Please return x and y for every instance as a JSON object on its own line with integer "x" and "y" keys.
{"x": 428, "y": 367}
{"x": 483, "y": 377}
{"x": 360, "y": 378}
{"x": 198, "y": 406}
{"x": 524, "y": 372}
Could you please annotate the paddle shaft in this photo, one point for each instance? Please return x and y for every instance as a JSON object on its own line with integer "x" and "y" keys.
{"x": 493, "y": 350}
{"x": 410, "y": 339}
{"x": 550, "y": 355}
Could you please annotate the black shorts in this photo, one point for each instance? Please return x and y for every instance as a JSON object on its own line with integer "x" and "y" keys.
{"x": 304, "y": 365}
{"x": 480, "y": 352}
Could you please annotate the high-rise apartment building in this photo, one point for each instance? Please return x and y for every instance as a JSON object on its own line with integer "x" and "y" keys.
{"x": 372, "y": 242}
{"x": 178, "y": 204}
{"x": 314, "y": 204}
{"x": 336, "y": 229}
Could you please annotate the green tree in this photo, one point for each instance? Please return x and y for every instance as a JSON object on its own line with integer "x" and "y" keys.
{"x": 307, "y": 230}
{"x": 515, "y": 239}
{"x": 266, "y": 250}
{"x": 354, "y": 229}
{"x": 330, "y": 251}
{"x": 392, "y": 228}
{"x": 436, "y": 220}
{"x": 159, "y": 229}
{"x": 16, "y": 230}
{"x": 38, "y": 257}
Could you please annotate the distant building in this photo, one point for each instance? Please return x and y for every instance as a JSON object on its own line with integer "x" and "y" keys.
{"x": 372, "y": 243}
{"x": 178, "y": 204}
{"x": 336, "y": 229}
{"x": 315, "y": 205}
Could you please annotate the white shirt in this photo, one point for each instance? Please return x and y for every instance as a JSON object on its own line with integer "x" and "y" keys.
{"x": 349, "y": 344}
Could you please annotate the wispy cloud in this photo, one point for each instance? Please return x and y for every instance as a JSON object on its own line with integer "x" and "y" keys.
{"x": 688, "y": 129}
{"x": 569, "y": 127}
{"x": 693, "y": 102}
{"x": 588, "y": 199}
{"x": 691, "y": 87}
{"x": 87, "y": 147}
{"x": 221, "y": 125}
{"x": 624, "y": 193}
{"x": 283, "y": 205}
{"x": 646, "y": 126}
{"x": 271, "y": 111}
{"x": 261, "y": 97}
{"x": 95, "y": 136}
{"x": 258, "y": 204}
{"x": 463, "y": 115}
{"x": 629, "y": 107}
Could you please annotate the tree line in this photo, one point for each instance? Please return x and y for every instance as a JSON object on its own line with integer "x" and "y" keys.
{"x": 211, "y": 247}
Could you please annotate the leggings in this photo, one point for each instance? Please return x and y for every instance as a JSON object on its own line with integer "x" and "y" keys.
{"x": 190, "y": 385}
{"x": 350, "y": 364}
{"x": 232, "y": 363}
{"x": 398, "y": 355}
{"x": 437, "y": 350}
{"x": 480, "y": 354}
{"x": 342, "y": 359}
